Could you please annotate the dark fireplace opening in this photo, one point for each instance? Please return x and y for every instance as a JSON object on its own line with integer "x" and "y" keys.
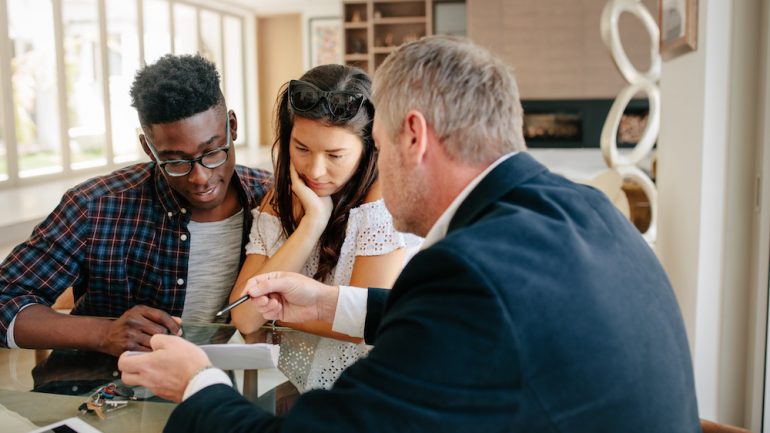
{"x": 577, "y": 123}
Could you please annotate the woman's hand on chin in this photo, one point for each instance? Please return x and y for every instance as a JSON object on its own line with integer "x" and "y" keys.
{"x": 317, "y": 209}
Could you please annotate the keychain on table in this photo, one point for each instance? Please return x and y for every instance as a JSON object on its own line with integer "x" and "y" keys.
{"x": 107, "y": 398}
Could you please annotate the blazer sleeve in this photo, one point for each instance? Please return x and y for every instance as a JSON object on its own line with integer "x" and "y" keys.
{"x": 435, "y": 366}
{"x": 375, "y": 306}
{"x": 220, "y": 408}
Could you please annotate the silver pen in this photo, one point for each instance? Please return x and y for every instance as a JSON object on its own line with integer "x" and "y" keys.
{"x": 237, "y": 302}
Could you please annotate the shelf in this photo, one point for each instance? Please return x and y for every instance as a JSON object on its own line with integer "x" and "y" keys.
{"x": 356, "y": 25}
{"x": 374, "y": 28}
{"x": 355, "y": 12}
{"x": 399, "y": 20}
{"x": 356, "y": 57}
{"x": 383, "y": 50}
{"x": 376, "y": 2}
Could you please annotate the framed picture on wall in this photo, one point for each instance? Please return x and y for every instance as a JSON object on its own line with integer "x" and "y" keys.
{"x": 678, "y": 23}
{"x": 325, "y": 40}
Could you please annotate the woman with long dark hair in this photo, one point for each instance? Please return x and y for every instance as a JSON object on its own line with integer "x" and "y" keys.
{"x": 324, "y": 216}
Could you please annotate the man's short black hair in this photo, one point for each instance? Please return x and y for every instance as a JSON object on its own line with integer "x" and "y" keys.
{"x": 174, "y": 88}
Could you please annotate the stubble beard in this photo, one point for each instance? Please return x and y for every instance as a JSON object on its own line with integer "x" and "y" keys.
{"x": 411, "y": 217}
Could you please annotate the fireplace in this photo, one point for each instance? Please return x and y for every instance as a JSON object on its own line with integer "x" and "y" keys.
{"x": 577, "y": 123}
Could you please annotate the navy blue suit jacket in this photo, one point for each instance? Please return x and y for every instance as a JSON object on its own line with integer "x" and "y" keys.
{"x": 542, "y": 310}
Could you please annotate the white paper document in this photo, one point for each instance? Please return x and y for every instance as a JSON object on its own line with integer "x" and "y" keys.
{"x": 242, "y": 356}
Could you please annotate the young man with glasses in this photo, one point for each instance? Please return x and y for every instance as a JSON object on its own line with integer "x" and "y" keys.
{"x": 148, "y": 244}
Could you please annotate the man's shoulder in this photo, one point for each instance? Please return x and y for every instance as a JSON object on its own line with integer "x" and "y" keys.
{"x": 544, "y": 216}
{"x": 134, "y": 179}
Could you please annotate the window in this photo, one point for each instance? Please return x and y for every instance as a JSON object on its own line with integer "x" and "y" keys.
{"x": 34, "y": 87}
{"x": 234, "y": 91}
{"x": 185, "y": 29}
{"x": 157, "y": 36}
{"x": 83, "y": 83}
{"x": 123, "y": 62}
{"x": 211, "y": 38}
{"x": 67, "y": 106}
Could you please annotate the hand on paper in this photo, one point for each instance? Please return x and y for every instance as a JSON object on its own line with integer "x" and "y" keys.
{"x": 166, "y": 370}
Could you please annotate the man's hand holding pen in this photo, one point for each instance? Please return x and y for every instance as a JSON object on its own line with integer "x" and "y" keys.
{"x": 292, "y": 297}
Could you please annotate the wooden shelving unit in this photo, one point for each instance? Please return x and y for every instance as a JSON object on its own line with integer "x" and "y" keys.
{"x": 374, "y": 28}
{"x": 356, "y": 25}
{"x": 383, "y": 50}
{"x": 404, "y": 20}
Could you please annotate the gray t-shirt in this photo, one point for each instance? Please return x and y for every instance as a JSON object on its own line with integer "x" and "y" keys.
{"x": 215, "y": 252}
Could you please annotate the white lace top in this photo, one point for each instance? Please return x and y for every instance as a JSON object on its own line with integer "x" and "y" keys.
{"x": 310, "y": 361}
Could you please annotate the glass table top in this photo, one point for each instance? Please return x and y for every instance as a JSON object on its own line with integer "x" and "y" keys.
{"x": 40, "y": 387}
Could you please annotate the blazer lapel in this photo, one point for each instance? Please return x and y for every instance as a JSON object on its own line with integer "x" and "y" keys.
{"x": 505, "y": 177}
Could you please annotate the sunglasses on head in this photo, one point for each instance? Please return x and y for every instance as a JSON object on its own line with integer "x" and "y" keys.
{"x": 341, "y": 105}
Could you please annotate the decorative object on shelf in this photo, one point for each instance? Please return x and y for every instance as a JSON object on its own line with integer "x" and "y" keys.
{"x": 410, "y": 37}
{"x": 325, "y": 44}
{"x": 388, "y": 40}
{"x": 359, "y": 46}
{"x": 377, "y": 15}
{"x": 646, "y": 82}
{"x": 678, "y": 23}
{"x": 355, "y": 17}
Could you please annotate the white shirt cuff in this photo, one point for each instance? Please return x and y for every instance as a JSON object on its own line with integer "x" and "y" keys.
{"x": 207, "y": 377}
{"x": 350, "y": 315}
{"x": 9, "y": 333}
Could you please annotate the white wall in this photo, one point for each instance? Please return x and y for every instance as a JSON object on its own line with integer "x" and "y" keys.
{"x": 706, "y": 179}
{"x": 761, "y": 243}
{"x": 735, "y": 380}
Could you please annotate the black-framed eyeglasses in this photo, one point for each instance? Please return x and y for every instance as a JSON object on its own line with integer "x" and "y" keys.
{"x": 182, "y": 167}
{"x": 341, "y": 105}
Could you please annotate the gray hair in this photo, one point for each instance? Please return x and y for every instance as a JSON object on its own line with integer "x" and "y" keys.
{"x": 467, "y": 95}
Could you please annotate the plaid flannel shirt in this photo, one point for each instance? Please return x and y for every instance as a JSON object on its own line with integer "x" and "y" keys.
{"x": 119, "y": 240}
